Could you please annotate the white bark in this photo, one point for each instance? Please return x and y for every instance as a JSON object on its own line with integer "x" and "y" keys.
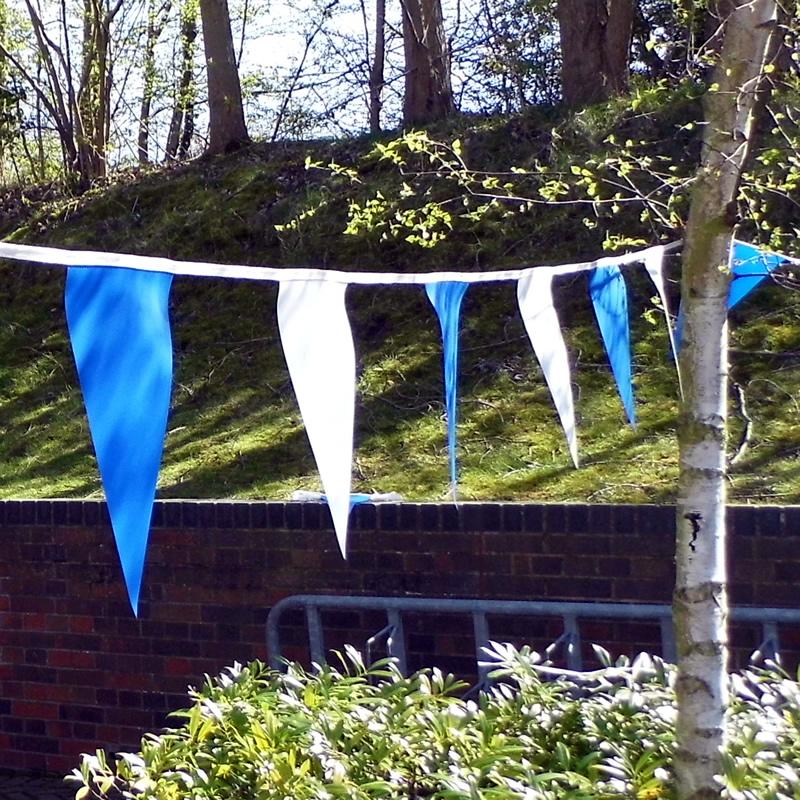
{"x": 700, "y": 602}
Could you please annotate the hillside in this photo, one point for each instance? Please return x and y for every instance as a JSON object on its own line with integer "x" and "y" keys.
{"x": 235, "y": 430}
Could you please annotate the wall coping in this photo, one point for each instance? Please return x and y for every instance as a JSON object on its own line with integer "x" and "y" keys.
{"x": 483, "y": 517}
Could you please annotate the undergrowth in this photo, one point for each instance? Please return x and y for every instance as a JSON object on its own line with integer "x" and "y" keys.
{"x": 537, "y": 734}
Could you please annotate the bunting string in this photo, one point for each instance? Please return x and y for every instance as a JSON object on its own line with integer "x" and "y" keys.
{"x": 92, "y": 258}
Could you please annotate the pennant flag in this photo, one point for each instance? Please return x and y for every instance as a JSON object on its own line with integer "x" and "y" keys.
{"x": 653, "y": 260}
{"x": 750, "y": 267}
{"x": 610, "y": 300}
{"x": 535, "y": 298}
{"x": 119, "y": 328}
{"x": 446, "y": 297}
{"x": 318, "y": 346}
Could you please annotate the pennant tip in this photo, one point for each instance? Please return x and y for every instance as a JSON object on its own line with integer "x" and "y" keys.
{"x": 341, "y": 528}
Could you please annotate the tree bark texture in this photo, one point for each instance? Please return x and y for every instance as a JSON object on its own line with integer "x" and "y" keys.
{"x": 700, "y": 602}
{"x": 595, "y": 49}
{"x": 227, "y": 130}
{"x": 156, "y": 19}
{"x": 94, "y": 92}
{"x": 376, "y": 78}
{"x": 182, "y": 119}
{"x": 428, "y": 90}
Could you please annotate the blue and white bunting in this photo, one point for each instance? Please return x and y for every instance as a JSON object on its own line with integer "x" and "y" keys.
{"x": 446, "y": 298}
{"x": 318, "y": 345}
{"x": 119, "y": 328}
{"x": 750, "y": 267}
{"x": 117, "y": 314}
{"x": 535, "y": 298}
{"x": 653, "y": 260}
{"x": 610, "y": 301}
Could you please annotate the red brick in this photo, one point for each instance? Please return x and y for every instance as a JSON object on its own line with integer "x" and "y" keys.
{"x": 23, "y": 708}
{"x": 59, "y": 764}
{"x": 178, "y": 666}
{"x": 652, "y": 568}
{"x": 547, "y": 565}
{"x": 71, "y": 658}
{"x": 81, "y": 624}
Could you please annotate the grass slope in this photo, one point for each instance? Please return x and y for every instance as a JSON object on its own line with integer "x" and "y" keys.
{"x": 235, "y": 430}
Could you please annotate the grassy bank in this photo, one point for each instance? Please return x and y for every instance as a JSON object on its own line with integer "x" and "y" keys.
{"x": 235, "y": 430}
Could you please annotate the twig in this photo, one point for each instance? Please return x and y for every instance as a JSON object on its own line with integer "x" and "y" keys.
{"x": 744, "y": 439}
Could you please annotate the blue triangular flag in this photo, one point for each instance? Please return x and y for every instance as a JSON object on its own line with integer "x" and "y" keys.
{"x": 750, "y": 267}
{"x": 119, "y": 327}
{"x": 446, "y": 298}
{"x": 610, "y": 300}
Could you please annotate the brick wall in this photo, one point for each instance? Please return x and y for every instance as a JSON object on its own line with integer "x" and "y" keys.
{"x": 77, "y": 671}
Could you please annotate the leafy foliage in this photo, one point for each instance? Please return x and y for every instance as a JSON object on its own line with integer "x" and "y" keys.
{"x": 625, "y": 166}
{"x": 538, "y": 734}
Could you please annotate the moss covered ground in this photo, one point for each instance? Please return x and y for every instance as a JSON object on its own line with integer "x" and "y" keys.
{"x": 235, "y": 429}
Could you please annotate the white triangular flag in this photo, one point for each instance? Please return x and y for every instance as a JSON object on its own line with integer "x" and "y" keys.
{"x": 318, "y": 345}
{"x": 535, "y": 297}
{"x": 653, "y": 260}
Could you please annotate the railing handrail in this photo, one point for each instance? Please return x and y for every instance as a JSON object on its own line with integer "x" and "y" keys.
{"x": 568, "y": 610}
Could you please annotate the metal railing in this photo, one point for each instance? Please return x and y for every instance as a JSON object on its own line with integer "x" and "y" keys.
{"x": 570, "y": 613}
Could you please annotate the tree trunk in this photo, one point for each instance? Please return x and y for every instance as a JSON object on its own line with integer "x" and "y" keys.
{"x": 376, "y": 78}
{"x": 184, "y": 94}
{"x": 227, "y": 129}
{"x": 92, "y": 100}
{"x": 188, "y": 130}
{"x": 156, "y": 19}
{"x": 595, "y": 49}
{"x": 94, "y": 91}
{"x": 9, "y": 102}
{"x": 428, "y": 91}
{"x": 700, "y": 602}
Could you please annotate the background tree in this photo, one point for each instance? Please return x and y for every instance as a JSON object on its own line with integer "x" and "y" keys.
{"x": 226, "y": 126}
{"x": 157, "y": 16}
{"x": 428, "y": 89}
{"x": 700, "y": 601}
{"x": 181, "y": 126}
{"x": 8, "y": 100}
{"x": 71, "y": 77}
{"x": 595, "y": 48}
{"x": 94, "y": 88}
{"x": 376, "y": 75}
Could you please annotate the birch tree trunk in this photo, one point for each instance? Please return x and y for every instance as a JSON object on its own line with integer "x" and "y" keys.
{"x": 700, "y": 602}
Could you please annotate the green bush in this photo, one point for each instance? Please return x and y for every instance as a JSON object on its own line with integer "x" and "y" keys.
{"x": 538, "y": 734}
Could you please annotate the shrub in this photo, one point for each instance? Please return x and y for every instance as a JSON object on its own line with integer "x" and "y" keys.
{"x": 538, "y": 734}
